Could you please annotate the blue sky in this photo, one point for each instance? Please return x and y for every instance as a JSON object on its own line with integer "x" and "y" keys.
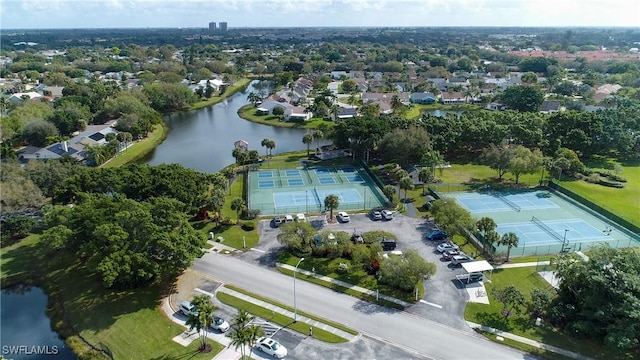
{"x": 287, "y": 13}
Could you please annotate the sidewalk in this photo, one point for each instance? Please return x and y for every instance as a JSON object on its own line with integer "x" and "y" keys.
{"x": 290, "y": 314}
{"x": 530, "y": 342}
{"x": 345, "y": 285}
{"x": 518, "y": 265}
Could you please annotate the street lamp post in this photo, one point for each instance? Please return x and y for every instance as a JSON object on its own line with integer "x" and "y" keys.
{"x": 295, "y": 309}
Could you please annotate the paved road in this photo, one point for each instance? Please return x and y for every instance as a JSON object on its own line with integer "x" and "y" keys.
{"x": 402, "y": 329}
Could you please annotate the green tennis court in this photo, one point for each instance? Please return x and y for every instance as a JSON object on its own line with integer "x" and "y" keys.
{"x": 304, "y": 190}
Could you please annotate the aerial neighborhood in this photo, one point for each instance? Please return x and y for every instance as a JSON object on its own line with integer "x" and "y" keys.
{"x": 235, "y": 193}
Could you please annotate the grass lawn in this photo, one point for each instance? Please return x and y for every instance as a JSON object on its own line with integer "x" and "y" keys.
{"x": 526, "y": 279}
{"x": 237, "y": 86}
{"x": 140, "y": 148}
{"x": 249, "y": 112}
{"x": 624, "y": 202}
{"x": 126, "y": 324}
{"x": 273, "y": 302}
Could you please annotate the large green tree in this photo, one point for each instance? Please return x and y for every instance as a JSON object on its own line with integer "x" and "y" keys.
{"x": 297, "y": 237}
{"x": 331, "y": 202}
{"x": 453, "y": 218}
{"x": 498, "y": 158}
{"x": 405, "y": 146}
{"x": 525, "y": 161}
{"x": 523, "y": 97}
{"x": 600, "y": 297}
{"x": 404, "y": 272}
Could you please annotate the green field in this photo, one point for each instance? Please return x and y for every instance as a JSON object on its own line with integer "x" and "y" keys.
{"x": 624, "y": 202}
{"x": 127, "y": 324}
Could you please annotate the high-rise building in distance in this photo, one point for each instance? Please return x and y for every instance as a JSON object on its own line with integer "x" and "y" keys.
{"x": 223, "y": 26}
{"x": 212, "y": 26}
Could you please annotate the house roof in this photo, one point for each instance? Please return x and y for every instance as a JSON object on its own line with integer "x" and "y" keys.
{"x": 452, "y": 95}
{"x": 550, "y": 105}
{"x": 422, "y": 96}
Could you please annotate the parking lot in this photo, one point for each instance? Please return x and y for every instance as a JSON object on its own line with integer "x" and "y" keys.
{"x": 444, "y": 299}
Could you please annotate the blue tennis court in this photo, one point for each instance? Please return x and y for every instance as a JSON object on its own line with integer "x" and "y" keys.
{"x": 327, "y": 180}
{"x": 295, "y": 182}
{"x": 321, "y": 171}
{"x": 552, "y": 232}
{"x": 348, "y": 170}
{"x": 478, "y": 202}
{"x": 346, "y": 196}
{"x": 266, "y": 184}
{"x": 354, "y": 178}
{"x": 265, "y": 174}
{"x": 293, "y": 198}
{"x": 292, "y": 172}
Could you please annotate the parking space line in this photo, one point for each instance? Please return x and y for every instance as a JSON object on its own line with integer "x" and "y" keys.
{"x": 258, "y": 250}
{"x": 431, "y": 304}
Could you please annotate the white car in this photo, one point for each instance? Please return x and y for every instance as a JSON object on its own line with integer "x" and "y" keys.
{"x": 387, "y": 214}
{"x": 301, "y": 218}
{"x": 271, "y": 347}
{"x": 343, "y": 217}
{"x": 187, "y": 308}
{"x": 447, "y": 246}
{"x": 218, "y": 323}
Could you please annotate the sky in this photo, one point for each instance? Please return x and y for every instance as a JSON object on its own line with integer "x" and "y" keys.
{"x": 53, "y": 14}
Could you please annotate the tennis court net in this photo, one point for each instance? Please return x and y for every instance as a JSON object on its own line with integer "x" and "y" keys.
{"x": 315, "y": 192}
{"x": 510, "y": 203}
{"x": 545, "y": 228}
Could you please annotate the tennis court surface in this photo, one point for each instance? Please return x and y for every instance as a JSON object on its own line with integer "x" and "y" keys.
{"x": 545, "y": 222}
{"x": 304, "y": 190}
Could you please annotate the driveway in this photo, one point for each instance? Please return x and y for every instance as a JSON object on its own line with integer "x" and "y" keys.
{"x": 444, "y": 300}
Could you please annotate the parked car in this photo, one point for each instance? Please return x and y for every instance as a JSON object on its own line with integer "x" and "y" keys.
{"x": 277, "y": 221}
{"x": 448, "y": 254}
{"x": 271, "y": 347}
{"x": 356, "y": 237}
{"x": 447, "y": 246}
{"x": 473, "y": 277}
{"x": 387, "y": 214}
{"x": 437, "y": 235}
{"x": 187, "y": 308}
{"x": 288, "y": 218}
{"x": 220, "y": 324}
{"x": 458, "y": 260}
{"x": 375, "y": 215}
{"x": 343, "y": 217}
{"x": 388, "y": 244}
{"x": 301, "y": 218}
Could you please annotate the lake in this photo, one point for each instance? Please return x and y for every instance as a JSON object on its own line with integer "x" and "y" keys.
{"x": 203, "y": 139}
{"x": 25, "y": 331}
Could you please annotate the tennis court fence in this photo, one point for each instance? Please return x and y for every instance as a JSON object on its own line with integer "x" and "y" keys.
{"x": 544, "y": 227}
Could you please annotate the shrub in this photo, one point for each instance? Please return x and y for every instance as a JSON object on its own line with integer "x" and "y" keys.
{"x": 611, "y": 184}
{"x": 248, "y": 226}
{"x": 593, "y": 178}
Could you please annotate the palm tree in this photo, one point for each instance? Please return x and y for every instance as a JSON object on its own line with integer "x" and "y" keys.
{"x": 254, "y": 98}
{"x": 396, "y": 104}
{"x": 264, "y": 143}
{"x": 331, "y": 202}
{"x": 307, "y": 139}
{"x": 485, "y": 224}
{"x": 510, "y": 240}
{"x": 237, "y": 204}
{"x": 425, "y": 175}
{"x": 205, "y": 312}
{"x": 399, "y": 174}
{"x": 271, "y": 145}
{"x": 242, "y": 336}
{"x": 253, "y": 333}
{"x": 389, "y": 191}
{"x": 406, "y": 183}
{"x": 318, "y": 134}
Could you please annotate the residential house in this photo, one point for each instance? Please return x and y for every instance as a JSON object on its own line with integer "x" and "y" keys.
{"x": 423, "y": 98}
{"x": 453, "y": 98}
{"x": 338, "y": 75}
{"x": 297, "y": 113}
{"x": 344, "y": 113}
{"x": 55, "y": 91}
{"x": 550, "y": 106}
{"x": 496, "y": 106}
{"x": 75, "y": 147}
{"x": 22, "y": 96}
{"x": 267, "y": 106}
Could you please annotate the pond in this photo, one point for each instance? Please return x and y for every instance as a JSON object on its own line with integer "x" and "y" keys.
{"x": 203, "y": 139}
{"x": 25, "y": 331}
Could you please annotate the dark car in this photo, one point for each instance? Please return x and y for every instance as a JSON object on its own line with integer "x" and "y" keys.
{"x": 277, "y": 221}
{"x": 448, "y": 254}
{"x": 388, "y": 244}
{"x": 356, "y": 237}
{"x": 437, "y": 235}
